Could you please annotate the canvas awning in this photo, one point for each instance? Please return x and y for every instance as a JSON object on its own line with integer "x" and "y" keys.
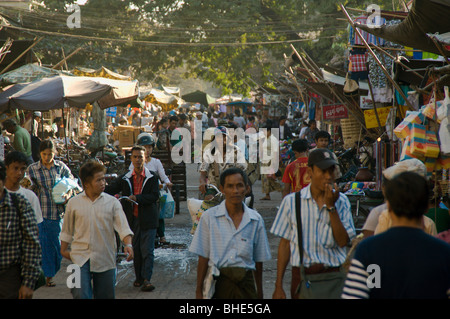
{"x": 166, "y": 100}
{"x": 101, "y": 72}
{"x": 59, "y": 91}
{"x": 425, "y": 16}
{"x": 28, "y": 73}
{"x": 199, "y": 97}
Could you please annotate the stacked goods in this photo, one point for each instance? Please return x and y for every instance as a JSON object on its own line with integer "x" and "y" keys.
{"x": 126, "y": 135}
{"x": 426, "y": 135}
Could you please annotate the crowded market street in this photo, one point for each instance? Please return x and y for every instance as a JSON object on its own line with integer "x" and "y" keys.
{"x": 225, "y": 150}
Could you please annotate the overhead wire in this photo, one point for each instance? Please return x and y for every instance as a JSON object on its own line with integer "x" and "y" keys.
{"x": 60, "y": 19}
{"x": 161, "y": 43}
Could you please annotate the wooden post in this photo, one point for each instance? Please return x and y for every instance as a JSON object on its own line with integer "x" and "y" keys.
{"x": 304, "y": 64}
{"x": 65, "y": 61}
{"x": 65, "y": 139}
{"x": 57, "y": 65}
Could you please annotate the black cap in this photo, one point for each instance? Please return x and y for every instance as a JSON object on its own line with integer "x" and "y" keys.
{"x": 322, "y": 158}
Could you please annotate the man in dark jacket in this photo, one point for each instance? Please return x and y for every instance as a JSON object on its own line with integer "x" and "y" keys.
{"x": 140, "y": 186}
{"x": 285, "y": 130}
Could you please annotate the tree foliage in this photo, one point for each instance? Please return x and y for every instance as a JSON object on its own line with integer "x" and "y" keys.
{"x": 231, "y": 43}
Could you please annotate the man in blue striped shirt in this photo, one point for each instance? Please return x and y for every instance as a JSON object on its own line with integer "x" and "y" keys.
{"x": 327, "y": 225}
{"x": 232, "y": 238}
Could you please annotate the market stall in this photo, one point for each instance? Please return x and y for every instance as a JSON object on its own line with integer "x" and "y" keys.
{"x": 160, "y": 100}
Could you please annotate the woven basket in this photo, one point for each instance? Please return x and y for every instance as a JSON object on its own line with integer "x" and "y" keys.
{"x": 444, "y": 187}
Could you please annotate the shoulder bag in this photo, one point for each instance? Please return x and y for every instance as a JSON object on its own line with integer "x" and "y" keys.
{"x": 318, "y": 286}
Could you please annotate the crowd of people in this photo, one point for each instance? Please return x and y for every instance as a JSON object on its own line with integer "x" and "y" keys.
{"x": 314, "y": 219}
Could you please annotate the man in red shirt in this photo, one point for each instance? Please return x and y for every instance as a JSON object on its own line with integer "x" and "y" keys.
{"x": 295, "y": 176}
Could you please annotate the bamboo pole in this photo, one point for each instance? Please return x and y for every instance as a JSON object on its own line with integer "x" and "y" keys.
{"x": 382, "y": 13}
{"x": 304, "y": 64}
{"x": 64, "y": 56}
{"x": 397, "y": 61}
{"x": 57, "y": 65}
{"x": 386, "y": 48}
{"x": 333, "y": 91}
{"x": 291, "y": 71}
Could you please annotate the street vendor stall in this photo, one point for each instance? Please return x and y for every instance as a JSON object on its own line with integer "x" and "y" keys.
{"x": 162, "y": 99}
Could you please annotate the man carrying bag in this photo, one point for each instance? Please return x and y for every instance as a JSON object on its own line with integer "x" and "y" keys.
{"x": 317, "y": 243}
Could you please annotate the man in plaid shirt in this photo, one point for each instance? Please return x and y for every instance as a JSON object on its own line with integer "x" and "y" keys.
{"x": 20, "y": 251}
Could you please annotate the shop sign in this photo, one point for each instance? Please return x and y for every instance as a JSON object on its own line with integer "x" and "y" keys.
{"x": 334, "y": 112}
{"x": 371, "y": 119}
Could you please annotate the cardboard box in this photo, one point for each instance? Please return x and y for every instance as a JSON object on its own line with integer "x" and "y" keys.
{"x": 432, "y": 148}
{"x": 126, "y": 138}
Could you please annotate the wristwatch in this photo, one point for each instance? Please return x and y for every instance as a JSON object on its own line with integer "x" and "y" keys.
{"x": 331, "y": 209}
{"x": 129, "y": 245}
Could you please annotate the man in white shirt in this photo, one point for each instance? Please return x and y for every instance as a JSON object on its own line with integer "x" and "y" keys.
{"x": 16, "y": 165}
{"x": 90, "y": 222}
{"x": 232, "y": 239}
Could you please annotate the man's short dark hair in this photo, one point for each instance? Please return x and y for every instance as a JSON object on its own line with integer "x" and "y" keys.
{"x": 408, "y": 195}
{"x": 9, "y": 122}
{"x": 231, "y": 171}
{"x": 47, "y": 144}
{"x": 89, "y": 169}
{"x": 300, "y": 145}
{"x": 138, "y": 148}
{"x": 15, "y": 156}
{"x": 182, "y": 116}
{"x": 173, "y": 118}
{"x": 322, "y": 134}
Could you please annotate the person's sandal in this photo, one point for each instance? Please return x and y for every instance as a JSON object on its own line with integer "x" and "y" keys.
{"x": 147, "y": 286}
{"x": 137, "y": 284}
{"x": 163, "y": 241}
{"x": 50, "y": 283}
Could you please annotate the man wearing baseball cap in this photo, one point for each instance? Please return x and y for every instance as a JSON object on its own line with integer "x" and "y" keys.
{"x": 326, "y": 228}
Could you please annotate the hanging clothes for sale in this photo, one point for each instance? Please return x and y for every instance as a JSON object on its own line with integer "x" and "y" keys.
{"x": 398, "y": 97}
{"x": 354, "y": 39}
{"x": 358, "y": 64}
{"x": 372, "y": 39}
{"x": 312, "y": 109}
{"x": 381, "y": 87}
